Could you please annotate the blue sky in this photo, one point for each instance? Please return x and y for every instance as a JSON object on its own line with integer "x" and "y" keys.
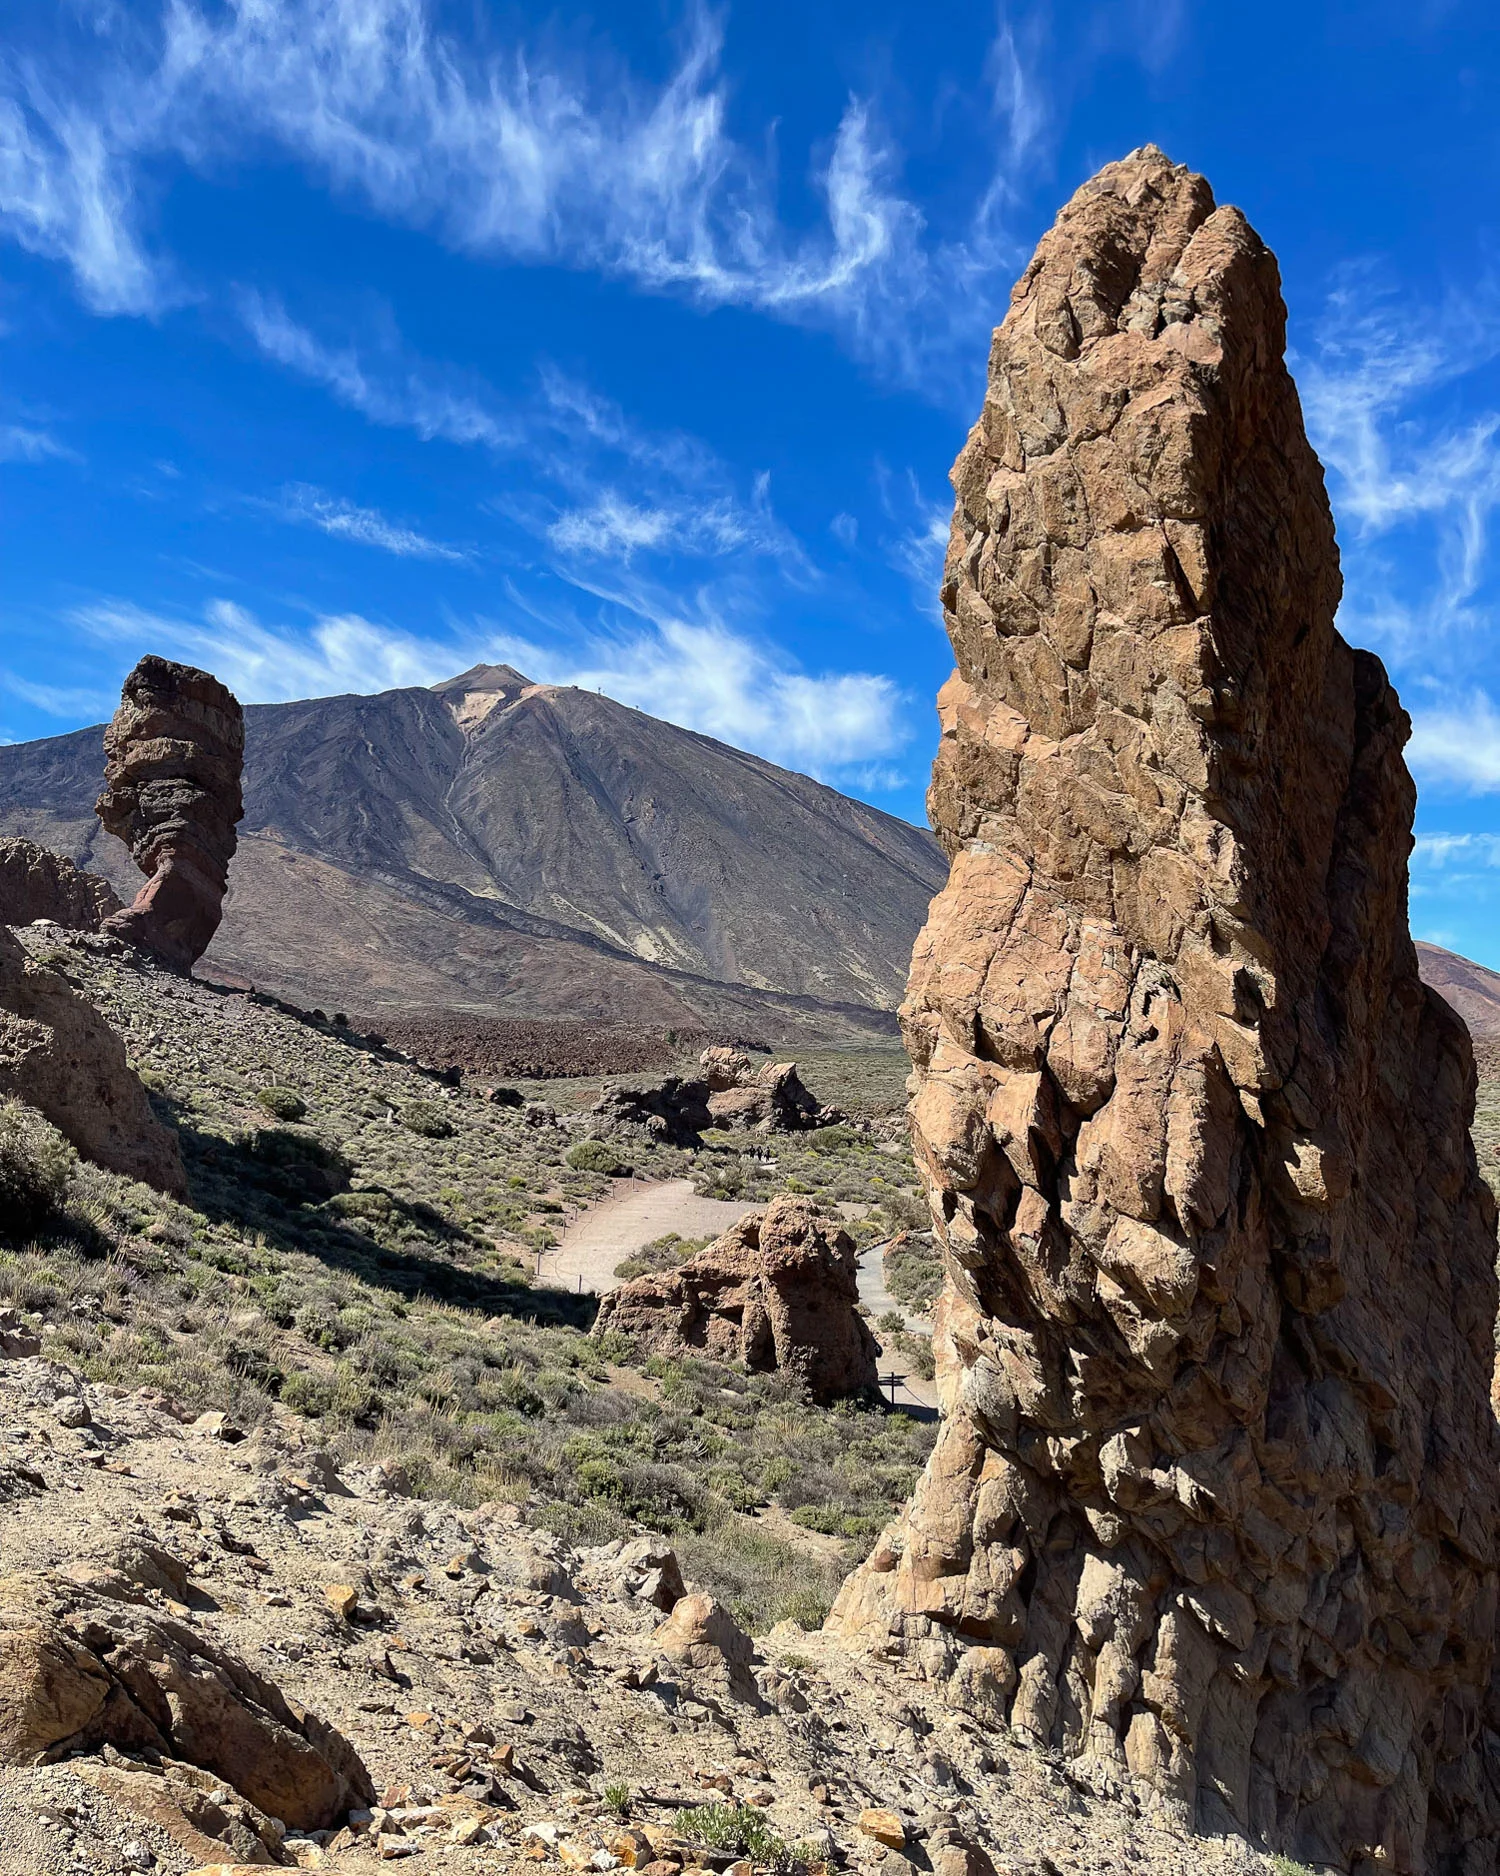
{"x": 347, "y": 342}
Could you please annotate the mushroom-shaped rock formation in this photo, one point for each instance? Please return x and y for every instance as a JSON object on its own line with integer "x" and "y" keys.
{"x": 1215, "y": 1494}
{"x": 173, "y": 756}
{"x": 777, "y": 1291}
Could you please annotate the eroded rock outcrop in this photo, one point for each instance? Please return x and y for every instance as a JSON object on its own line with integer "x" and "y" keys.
{"x": 37, "y": 884}
{"x": 173, "y": 756}
{"x": 87, "y": 1665}
{"x": 777, "y": 1291}
{"x": 59, "y": 1056}
{"x": 731, "y": 1095}
{"x": 1215, "y": 1494}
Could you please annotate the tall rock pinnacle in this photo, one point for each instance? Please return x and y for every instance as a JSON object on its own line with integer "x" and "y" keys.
{"x": 173, "y": 756}
{"x": 1215, "y": 1494}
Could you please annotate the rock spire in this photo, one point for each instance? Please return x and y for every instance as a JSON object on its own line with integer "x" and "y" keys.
{"x": 1215, "y": 1494}
{"x": 173, "y": 756}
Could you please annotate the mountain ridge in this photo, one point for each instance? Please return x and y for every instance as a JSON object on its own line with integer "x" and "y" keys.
{"x": 541, "y": 849}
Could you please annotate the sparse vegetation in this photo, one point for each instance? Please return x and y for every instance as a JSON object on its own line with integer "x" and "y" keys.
{"x": 35, "y": 1166}
{"x": 282, "y": 1103}
{"x": 914, "y": 1273}
{"x": 743, "y": 1831}
{"x": 427, "y": 1119}
{"x": 378, "y": 1279}
{"x": 664, "y": 1253}
{"x": 598, "y": 1156}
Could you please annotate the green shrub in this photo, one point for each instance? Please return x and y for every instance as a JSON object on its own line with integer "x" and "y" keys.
{"x": 308, "y": 1394}
{"x": 914, "y": 1270}
{"x": 664, "y": 1253}
{"x": 598, "y": 1156}
{"x": 427, "y": 1119}
{"x": 283, "y": 1103}
{"x": 743, "y": 1831}
{"x": 36, "y": 1164}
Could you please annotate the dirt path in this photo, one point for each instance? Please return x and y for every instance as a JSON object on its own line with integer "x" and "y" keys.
{"x": 910, "y": 1389}
{"x": 636, "y": 1214}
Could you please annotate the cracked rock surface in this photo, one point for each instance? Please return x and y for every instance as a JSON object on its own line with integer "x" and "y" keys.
{"x": 1214, "y": 1500}
{"x": 173, "y": 757}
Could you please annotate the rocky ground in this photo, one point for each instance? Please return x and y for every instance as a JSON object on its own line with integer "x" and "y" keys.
{"x": 418, "y": 1534}
{"x": 514, "y": 1701}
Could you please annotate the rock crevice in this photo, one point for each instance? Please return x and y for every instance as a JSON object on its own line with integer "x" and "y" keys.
{"x": 1214, "y": 1497}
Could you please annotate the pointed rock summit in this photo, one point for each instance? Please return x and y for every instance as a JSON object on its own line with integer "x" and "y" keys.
{"x": 1214, "y": 1499}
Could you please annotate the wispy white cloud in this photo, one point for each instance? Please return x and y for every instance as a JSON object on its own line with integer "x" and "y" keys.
{"x": 66, "y": 193}
{"x": 391, "y": 390}
{"x": 614, "y": 527}
{"x": 347, "y": 521}
{"x": 700, "y": 672}
{"x": 918, "y": 543}
{"x": 1398, "y": 455}
{"x": 20, "y": 443}
{"x": 683, "y": 500}
{"x": 1458, "y": 743}
{"x": 340, "y": 653}
{"x": 59, "y": 700}
{"x": 741, "y": 690}
{"x": 520, "y": 155}
{"x": 1438, "y": 851}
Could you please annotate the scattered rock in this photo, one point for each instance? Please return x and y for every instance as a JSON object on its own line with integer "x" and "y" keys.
{"x": 38, "y": 885}
{"x": 1216, "y": 1490}
{"x": 649, "y": 1570}
{"x": 778, "y": 1291}
{"x": 173, "y": 755}
{"x": 17, "y": 1342}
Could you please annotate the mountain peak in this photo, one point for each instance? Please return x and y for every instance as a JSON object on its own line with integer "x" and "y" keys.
{"x": 474, "y": 694}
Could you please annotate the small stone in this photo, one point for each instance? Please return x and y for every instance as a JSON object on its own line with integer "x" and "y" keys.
{"x": 217, "y": 1426}
{"x": 342, "y": 1600}
{"x": 633, "y": 1848}
{"x": 884, "y": 1826}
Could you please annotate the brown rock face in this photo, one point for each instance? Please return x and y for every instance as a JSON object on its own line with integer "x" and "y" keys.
{"x": 1215, "y": 1494}
{"x": 731, "y": 1096}
{"x": 36, "y": 884}
{"x": 173, "y": 755}
{"x": 777, "y": 1291}
{"x": 80, "y": 1670}
{"x": 59, "y": 1055}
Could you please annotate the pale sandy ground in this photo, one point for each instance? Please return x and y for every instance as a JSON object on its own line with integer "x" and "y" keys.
{"x": 635, "y": 1214}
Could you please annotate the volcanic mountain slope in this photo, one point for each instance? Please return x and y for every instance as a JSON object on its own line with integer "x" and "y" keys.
{"x": 493, "y": 844}
{"x": 1468, "y": 987}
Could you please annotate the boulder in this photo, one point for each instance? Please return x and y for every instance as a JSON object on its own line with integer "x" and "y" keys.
{"x": 38, "y": 885}
{"x": 80, "y": 1671}
{"x": 777, "y": 1292}
{"x": 647, "y": 1569}
{"x": 173, "y": 756}
{"x": 701, "y": 1634}
{"x": 58, "y": 1055}
{"x": 1214, "y": 1498}
{"x": 731, "y": 1095}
